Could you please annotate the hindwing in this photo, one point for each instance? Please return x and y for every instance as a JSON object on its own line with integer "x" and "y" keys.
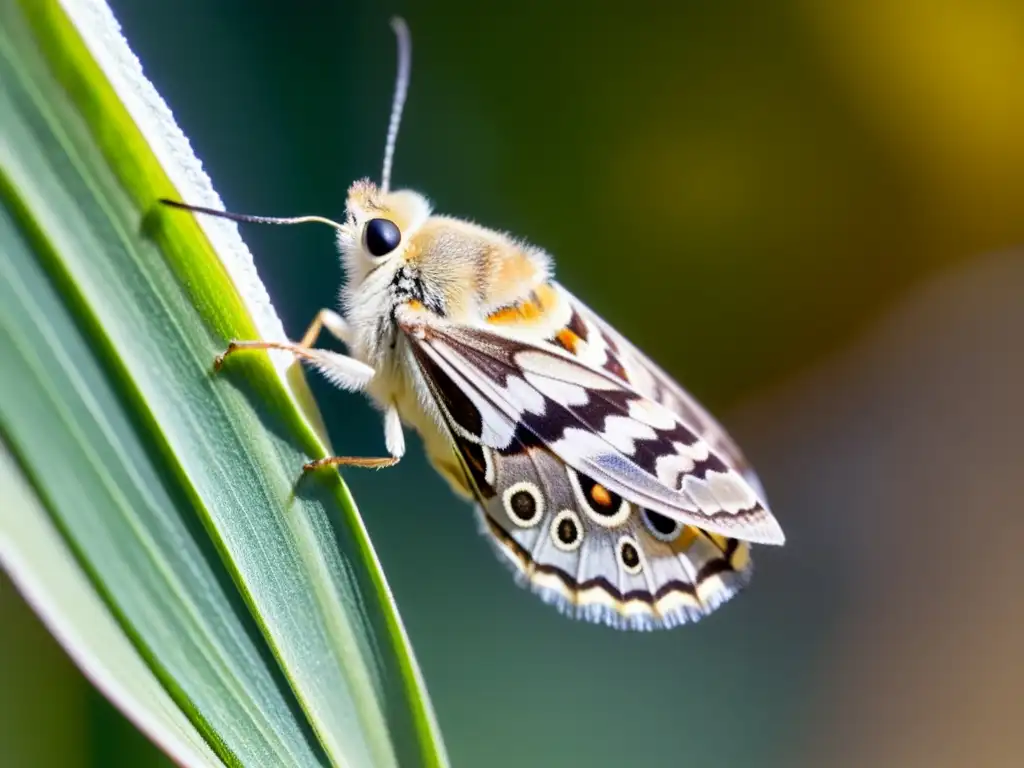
{"x": 591, "y": 553}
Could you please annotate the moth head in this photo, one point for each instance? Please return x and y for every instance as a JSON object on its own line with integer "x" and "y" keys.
{"x": 379, "y": 227}
{"x": 454, "y": 267}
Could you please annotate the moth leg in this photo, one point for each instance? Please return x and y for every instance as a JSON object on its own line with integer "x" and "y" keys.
{"x": 333, "y": 322}
{"x": 394, "y": 434}
{"x": 325, "y": 318}
{"x": 350, "y": 461}
{"x": 328, "y": 318}
{"x": 341, "y": 370}
{"x": 394, "y": 439}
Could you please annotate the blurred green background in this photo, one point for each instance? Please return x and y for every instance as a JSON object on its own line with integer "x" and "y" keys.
{"x": 807, "y": 211}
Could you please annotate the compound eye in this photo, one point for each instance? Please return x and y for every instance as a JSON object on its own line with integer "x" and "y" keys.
{"x": 381, "y": 236}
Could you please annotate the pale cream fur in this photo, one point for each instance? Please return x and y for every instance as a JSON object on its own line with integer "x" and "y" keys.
{"x": 465, "y": 272}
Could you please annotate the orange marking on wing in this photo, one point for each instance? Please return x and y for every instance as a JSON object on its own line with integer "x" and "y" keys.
{"x": 542, "y": 300}
{"x": 741, "y": 557}
{"x": 514, "y": 314}
{"x": 567, "y": 340}
{"x": 720, "y": 541}
{"x": 530, "y": 310}
{"x": 600, "y": 495}
{"x": 686, "y": 537}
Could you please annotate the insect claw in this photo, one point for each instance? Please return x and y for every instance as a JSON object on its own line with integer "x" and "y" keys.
{"x": 218, "y": 361}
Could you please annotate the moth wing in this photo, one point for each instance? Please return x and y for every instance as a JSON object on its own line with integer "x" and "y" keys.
{"x": 498, "y": 391}
{"x": 609, "y": 349}
{"x": 568, "y": 542}
{"x": 597, "y": 557}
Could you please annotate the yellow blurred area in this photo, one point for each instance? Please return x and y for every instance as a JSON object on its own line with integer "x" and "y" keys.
{"x": 940, "y": 82}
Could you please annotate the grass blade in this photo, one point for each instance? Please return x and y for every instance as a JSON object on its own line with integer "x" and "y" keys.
{"x": 63, "y": 596}
{"x": 259, "y": 604}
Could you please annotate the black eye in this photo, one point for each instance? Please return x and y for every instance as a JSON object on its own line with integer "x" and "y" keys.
{"x": 381, "y": 236}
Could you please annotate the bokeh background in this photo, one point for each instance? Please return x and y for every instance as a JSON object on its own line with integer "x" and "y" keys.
{"x": 809, "y": 211}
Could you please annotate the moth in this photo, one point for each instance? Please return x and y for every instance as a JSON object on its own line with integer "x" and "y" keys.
{"x": 608, "y": 489}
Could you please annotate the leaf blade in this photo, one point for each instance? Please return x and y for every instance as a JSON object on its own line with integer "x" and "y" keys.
{"x": 373, "y": 686}
{"x": 88, "y": 632}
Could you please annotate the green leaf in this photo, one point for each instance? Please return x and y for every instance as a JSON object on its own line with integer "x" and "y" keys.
{"x": 63, "y": 596}
{"x": 253, "y": 597}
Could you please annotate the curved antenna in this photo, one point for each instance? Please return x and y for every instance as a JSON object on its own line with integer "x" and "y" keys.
{"x": 398, "y": 101}
{"x": 249, "y": 219}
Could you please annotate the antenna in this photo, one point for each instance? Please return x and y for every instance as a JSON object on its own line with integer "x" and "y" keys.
{"x": 246, "y": 218}
{"x": 398, "y": 102}
{"x": 401, "y": 30}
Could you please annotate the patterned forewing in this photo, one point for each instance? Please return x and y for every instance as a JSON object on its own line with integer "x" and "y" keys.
{"x": 605, "y": 347}
{"x": 593, "y": 421}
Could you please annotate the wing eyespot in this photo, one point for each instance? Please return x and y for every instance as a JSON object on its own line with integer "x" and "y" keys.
{"x": 567, "y": 531}
{"x": 629, "y": 555}
{"x": 524, "y": 504}
{"x": 661, "y": 527}
{"x": 601, "y": 505}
